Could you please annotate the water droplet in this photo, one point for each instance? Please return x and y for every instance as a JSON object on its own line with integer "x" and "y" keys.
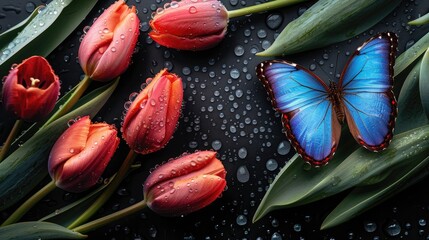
{"x": 283, "y": 148}
{"x": 192, "y": 10}
{"x": 216, "y": 145}
{"x": 276, "y": 236}
{"x": 186, "y": 71}
{"x": 242, "y": 153}
{"x": 239, "y": 50}
{"x": 261, "y": 33}
{"x": 113, "y": 49}
{"x": 393, "y": 228}
{"x": 272, "y": 164}
{"x": 313, "y": 67}
{"x": 274, "y": 21}
{"x": 241, "y": 220}
{"x": 297, "y": 227}
{"x": 29, "y": 7}
{"x": 234, "y": 73}
{"x": 243, "y": 175}
{"x": 422, "y": 222}
{"x": 370, "y": 227}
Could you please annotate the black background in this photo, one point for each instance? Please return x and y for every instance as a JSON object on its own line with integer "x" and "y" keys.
{"x": 213, "y": 106}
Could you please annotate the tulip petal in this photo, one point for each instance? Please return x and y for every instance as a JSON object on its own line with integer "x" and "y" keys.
{"x": 84, "y": 170}
{"x": 31, "y": 102}
{"x": 188, "y": 196}
{"x": 185, "y": 184}
{"x": 192, "y": 19}
{"x": 70, "y": 143}
{"x": 182, "y": 43}
{"x": 106, "y": 49}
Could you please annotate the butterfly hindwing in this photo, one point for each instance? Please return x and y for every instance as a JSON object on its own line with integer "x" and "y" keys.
{"x": 366, "y": 86}
{"x": 308, "y": 117}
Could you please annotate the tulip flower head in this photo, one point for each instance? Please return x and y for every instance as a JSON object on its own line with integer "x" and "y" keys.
{"x": 105, "y": 51}
{"x": 190, "y": 24}
{"x": 185, "y": 184}
{"x": 81, "y": 154}
{"x": 31, "y": 89}
{"x": 153, "y": 116}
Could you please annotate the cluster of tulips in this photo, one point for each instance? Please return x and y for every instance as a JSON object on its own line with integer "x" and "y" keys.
{"x": 80, "y": 155}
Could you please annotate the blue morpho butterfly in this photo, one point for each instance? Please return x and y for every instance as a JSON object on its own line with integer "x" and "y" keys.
{"x": 312, "y": 111}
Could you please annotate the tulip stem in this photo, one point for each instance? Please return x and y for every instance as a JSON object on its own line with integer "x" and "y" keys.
{"x": 27, "y": 205}
{"x": 262, "y": 7}
{"x": 83, "y": 85}
{"x": 10, "y": 138}
{"x": 120, "y": 175}
{"x": 110, "y": 218}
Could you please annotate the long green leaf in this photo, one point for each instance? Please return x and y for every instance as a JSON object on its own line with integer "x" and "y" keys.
{"x": 328, "y": 22}
{"x": 424, "y": 83}
{"x": 7, "y": 36}
{"x": 421, "y": 20}
{"x": 362, "y": 199}
{"x": 297, "y": 179}
{"x": 21, "y": 171}
{"x": 37, "y": 230}
{"x": 410, "y": 110}
{"x": 359, "y": 167}
{"x": 45, "y": 31}
{"x": 404, "y": 60}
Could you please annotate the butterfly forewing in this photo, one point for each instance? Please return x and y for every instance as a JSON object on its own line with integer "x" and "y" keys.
{"x": 308, "y": 117}
{"x": 366, "y": 88}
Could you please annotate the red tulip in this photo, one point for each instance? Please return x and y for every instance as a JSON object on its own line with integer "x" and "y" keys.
{"x": 106, "y": 49}
{"x": 152, "y": 117}
{"x": 185, "y": 184}
{"x": 190, "y": 24}
{"x": 81, "y": 154}
{"x": 31, "y": 89}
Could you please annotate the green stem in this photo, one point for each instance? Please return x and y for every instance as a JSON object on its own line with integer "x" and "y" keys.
{"x": 10, "y": 138}
{"x": 27, "y": 205}
{"x": 110, "y": 218}
{"x": 262, "y": 7}
{"x": 120, "y": 175}
{"x": 83, "y": 85}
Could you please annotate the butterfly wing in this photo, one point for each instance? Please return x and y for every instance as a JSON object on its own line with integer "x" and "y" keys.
{"x": 308, "y": 117}
{"x": 366, "y": 85}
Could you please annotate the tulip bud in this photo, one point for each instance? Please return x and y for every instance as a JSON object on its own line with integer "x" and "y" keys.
{"x": 190, "y": 24}
{"x": 81, "y": 154}
{"x": 185, "y": 184}
{"x": 31, "y": 89}
{"x": 105, "y": 51}
{"x": 153, "y": 115}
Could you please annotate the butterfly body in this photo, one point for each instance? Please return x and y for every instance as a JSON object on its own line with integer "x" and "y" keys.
{"x": 313, "y": 112}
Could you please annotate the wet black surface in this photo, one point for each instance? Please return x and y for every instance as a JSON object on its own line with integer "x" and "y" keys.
{"x": 226, "y": 108}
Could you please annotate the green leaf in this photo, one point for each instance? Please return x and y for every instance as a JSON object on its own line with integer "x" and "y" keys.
{"x": 410, "y": 109}
{"x": 297, "y": 179}
{"x": 22, "y": 170}
{"x": 7, "y": 36}
{"x": 294, "y": 186}
{"x": 411, "y": 55}
{"x": 424, "y": 83}
{"x": 37, "y": 230}
{"x": 420, "y": 21}
{"x": 328, "y": 22}
{"x": 45, "y": 31}
{"x": 362, "y": 199}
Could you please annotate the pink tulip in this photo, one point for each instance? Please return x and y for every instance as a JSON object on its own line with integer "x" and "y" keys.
{"x": 152, "y": 117}
{"x": 81, "y": 154}
{"x": 106, "y": 49}
{"x": 31, "y": 89}
{"x": 186, "y": 184}
{"x": 190, "y": 24}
